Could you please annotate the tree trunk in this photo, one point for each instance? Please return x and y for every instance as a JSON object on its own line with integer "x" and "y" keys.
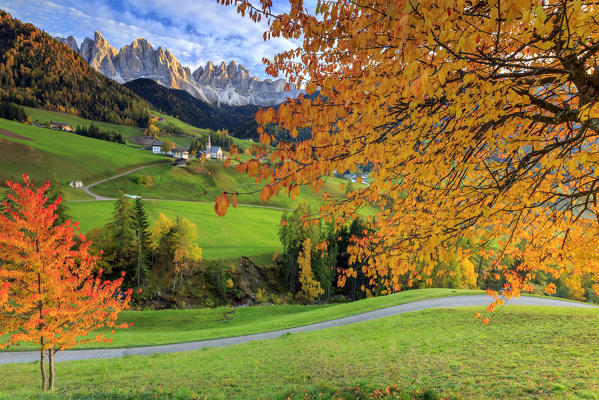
{"x": 138, "y": 256}
{"x": 51, "y": 368}
{"x": 43, "y": 364}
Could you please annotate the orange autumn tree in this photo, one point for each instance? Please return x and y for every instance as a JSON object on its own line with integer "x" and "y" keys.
{"x": 55, "y": 299}
{"x": 480, "y": 121}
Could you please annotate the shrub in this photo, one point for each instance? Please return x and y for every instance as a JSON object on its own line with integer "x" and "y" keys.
{"x": 261, "y": 297}
{"x": 145, "y": 180}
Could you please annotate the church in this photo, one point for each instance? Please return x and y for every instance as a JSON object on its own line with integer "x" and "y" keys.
{"x": 212, "y": 152}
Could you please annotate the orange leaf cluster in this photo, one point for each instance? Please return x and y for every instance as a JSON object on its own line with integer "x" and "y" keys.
{"x": 479, "y": 120}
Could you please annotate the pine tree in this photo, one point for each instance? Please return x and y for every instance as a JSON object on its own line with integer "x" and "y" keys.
{"x": 141, "y": 229}
{"x": 121, "y": 253}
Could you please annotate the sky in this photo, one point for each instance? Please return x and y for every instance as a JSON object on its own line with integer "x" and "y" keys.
{"x": 195, "y": 31}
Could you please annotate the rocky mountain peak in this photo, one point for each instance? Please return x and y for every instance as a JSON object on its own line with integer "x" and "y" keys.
{"x": 228, "y": 83}
{"x": 71, "y": 42}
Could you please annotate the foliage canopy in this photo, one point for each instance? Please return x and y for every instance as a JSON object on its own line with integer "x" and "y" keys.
{"x": 480, "y": 120}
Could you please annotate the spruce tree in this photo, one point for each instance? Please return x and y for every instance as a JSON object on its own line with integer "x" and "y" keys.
{"x": 141, "y": 228}
{"x": 121, "y": 253}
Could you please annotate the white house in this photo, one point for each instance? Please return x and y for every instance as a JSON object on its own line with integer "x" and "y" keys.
{"x": 76, "y": 184}
{"x": 156, "y": 147}
{"x": 180, "y": 152}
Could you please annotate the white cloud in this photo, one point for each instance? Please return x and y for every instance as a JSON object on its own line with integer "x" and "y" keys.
{"x": 195, "y": 31}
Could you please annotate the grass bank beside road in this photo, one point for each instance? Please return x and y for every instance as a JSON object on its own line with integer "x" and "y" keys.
{"x": 525, "y": 353}
{"x": 176, "y": 326}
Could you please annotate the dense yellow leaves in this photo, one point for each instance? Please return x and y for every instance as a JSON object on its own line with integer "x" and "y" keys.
{"x": 310, "y": 287}
{"x": 478, "y": 121}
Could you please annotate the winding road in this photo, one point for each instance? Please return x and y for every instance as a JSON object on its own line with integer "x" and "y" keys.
{"x": 456, "y": 301}
{"x": 97, "y": 197}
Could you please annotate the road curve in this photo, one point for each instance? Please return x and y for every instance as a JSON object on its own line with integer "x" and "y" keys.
{"x": 87, "y": 190}
{"x": 455, "y": 301}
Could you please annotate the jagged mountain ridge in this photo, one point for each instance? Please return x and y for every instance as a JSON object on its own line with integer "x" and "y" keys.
{"x": 229, "y": 84}
{"x": 187, "y": 108}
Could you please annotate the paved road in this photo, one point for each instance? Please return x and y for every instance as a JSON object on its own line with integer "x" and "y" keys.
{"x": 97, "y": 197}
{"x": 457, "y": 301}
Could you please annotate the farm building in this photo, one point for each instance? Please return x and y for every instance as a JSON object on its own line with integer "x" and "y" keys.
{"x": 61, "y": 126}
{"x": 180, "y": 152}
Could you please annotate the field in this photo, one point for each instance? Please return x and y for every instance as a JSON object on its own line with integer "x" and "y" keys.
{"x": 244, "y": 231}
{"x": 44, "y": 116}
{"x": 526, "y": 353}
{"x": 210, "y": 180}
{"x": 45, "y": 154}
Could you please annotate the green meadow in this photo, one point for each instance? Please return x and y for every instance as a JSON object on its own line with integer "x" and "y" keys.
{"x": 204, "y": 182}
{"x": 244, "y": 231}
{"x": 176, "y": 326}
{"x": 46, "y": 154}
{"x": 525, "y": 353}
{"x": 43, "y": 116}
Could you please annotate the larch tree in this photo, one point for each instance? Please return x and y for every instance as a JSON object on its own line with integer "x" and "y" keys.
{"x": 52, "y": 296}
{"x": 480, "y": 120}
{"x": 311, "y": 288}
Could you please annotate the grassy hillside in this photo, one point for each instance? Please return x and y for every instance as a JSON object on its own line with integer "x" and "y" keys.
{"x": 244, "y": 231}
{"x": 526, "y": 353}
{"x": 205, "y": 182}
{"x": 45, "y": 153}
{"x": 43, "y": 116}
{"x": 177, "y": 326}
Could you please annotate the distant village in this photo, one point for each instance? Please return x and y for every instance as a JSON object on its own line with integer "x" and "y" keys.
{"x": 181, "y": 154}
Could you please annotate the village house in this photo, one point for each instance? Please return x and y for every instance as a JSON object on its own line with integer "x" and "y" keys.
{"x": 180, "y": 152}
{"x": 180, "y": 162}
{"x": 156, "y": 146}
{"x": 76, "y": 184}
{"x": 60, "y": 126}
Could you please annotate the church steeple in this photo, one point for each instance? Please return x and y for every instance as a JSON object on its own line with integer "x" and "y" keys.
{"x": 208, "y": 145}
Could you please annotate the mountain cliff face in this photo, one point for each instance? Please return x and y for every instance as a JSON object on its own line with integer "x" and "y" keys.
{"x": 224, "y": 84}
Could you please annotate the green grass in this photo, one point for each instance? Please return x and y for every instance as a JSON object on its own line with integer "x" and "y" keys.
{"x": 526, "y": 353}
{"x": 201, "y": 132}
{"x": 244, "y": 231}
{"x": 49, "y": 153}
{"x": 44, "y": 116}
{"x": 178, "y": 183}
{"x": 177, "y": 326}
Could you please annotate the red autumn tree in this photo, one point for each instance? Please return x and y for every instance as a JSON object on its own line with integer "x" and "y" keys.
{"x": 54, "y": 297}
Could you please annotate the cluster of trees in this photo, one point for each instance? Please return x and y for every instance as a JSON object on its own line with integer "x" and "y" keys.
{"x": 36, "y": 70}
{"x": 219, "y": 138}
{"x": 94, "y": 132}
{"x": 168, "y": 251}
{"x": 314, "y": 271}
{"x": 12, "y": 111}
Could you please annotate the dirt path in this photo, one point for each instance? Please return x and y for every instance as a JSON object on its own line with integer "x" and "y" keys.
{"x": 457, "y": 301}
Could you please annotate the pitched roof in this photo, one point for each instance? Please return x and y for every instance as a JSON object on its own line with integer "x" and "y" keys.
{"x": 179, "y": 149}
{"x": 156, "y": 143}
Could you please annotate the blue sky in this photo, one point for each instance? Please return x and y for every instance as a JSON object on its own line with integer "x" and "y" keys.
{"x": 195, "y": 31}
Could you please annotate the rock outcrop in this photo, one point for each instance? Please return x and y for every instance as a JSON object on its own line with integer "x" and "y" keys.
{"x": 229, "y": 84}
